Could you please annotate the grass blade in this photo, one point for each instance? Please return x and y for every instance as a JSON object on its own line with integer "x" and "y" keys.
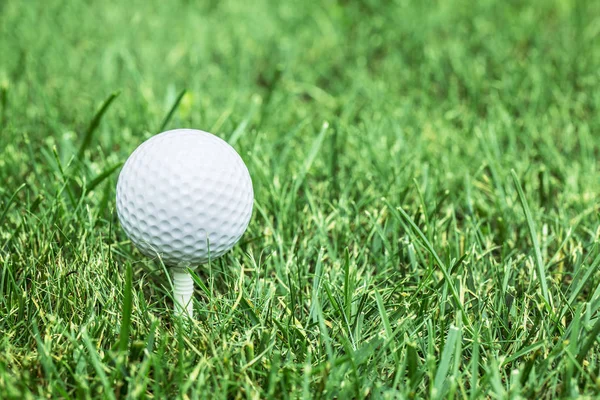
{"x": 9, "y": 203}
{"x": 4, "y": 104}
{"x": 402, "y": 215}
{"x": 591, "y": 339}
{"x": 444, "y": 366}
{"x": 311, "y": 157}
{"x": 384, "y": 316}
{"x": 47, "y": 363}
{"x": 102, "y": 176}
{"x": 126, "y": 313}
{"x": 532, "y": 233}
{"x": 97, "y": 364}
{"x": 241, "y": 128}
{"x": 89, "y": 133}
{"x": 172, "y": 110}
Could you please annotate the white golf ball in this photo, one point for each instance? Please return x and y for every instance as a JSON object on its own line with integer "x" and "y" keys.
{"x": 184, "y": 195}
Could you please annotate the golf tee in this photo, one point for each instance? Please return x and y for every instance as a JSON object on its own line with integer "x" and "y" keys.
{"x": 183, "y": 292}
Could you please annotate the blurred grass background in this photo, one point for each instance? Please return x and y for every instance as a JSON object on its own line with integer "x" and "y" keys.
{"x": 389, "y": 254}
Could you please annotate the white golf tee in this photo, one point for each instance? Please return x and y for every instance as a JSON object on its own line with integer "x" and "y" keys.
{"x": 183, "y": 292}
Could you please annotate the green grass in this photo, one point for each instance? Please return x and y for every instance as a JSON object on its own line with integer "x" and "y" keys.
{"x": 426, "y": 221}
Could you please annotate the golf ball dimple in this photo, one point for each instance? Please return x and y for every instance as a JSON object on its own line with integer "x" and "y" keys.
{"x": 184, "y": 195}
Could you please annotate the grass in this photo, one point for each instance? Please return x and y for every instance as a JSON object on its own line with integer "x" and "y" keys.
{"x": 426, "y": 221}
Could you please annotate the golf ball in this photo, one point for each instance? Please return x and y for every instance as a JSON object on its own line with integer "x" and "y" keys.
{"x": 184, "y": 195}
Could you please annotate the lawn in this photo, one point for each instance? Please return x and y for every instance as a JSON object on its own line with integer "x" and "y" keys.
{"x": 426, "y": 220}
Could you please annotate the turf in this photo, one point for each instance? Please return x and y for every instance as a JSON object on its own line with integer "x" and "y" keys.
{"x": 426, "y": 221}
